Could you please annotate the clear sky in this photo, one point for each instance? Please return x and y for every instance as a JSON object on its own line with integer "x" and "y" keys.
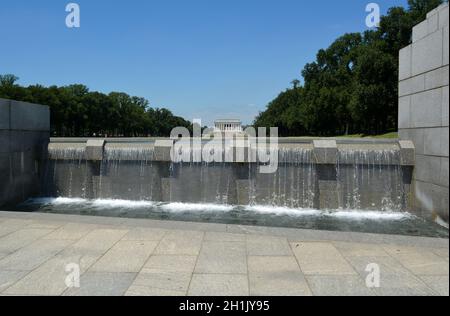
{"x": 203, "y": 59}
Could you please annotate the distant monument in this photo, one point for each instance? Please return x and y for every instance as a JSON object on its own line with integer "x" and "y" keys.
{"x": 232, "y": 126}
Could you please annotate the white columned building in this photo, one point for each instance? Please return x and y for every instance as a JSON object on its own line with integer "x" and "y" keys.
{"x": 228, "y": 126}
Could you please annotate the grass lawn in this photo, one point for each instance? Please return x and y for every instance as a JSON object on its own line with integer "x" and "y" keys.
{"x": 392, "y": 135}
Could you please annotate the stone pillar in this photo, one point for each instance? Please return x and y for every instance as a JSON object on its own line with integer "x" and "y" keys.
{"x": 163, "y": 150}
{"x": 407, "y": 162}
{"x": 94, "y": 149}
{"x": 325, "y": 155}
{"x": 94, "y": 156}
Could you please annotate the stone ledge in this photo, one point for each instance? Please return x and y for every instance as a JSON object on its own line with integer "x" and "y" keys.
{"x": 408, "y": 153}
{"x": 164, "y": 150}
{"x": 325, "y": 151}
{"x": 95, "y": 149}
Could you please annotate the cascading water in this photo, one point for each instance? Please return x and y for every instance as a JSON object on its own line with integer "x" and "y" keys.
{"x": 194, "y": 180}
{"x": 293, "y": 185}
{"x": 366, "y": 178}
{"x": 65, "y": 172}
{"x": 370, "y": 179}
{"x": 127, "y": 173}
{"x": 124, "y": 173}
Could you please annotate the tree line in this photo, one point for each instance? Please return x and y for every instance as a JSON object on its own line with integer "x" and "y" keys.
{"x": 77, "y": 112}
{"x": 352, "y": 87}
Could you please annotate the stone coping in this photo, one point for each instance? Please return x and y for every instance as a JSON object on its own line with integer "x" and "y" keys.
{"x": 281, "y": 140}
{"x": 325, "y": 150}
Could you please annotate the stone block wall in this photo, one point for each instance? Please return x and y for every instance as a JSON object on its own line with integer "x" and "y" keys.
{"x": 423, "y": 110}
{"x": 24, "y": 137}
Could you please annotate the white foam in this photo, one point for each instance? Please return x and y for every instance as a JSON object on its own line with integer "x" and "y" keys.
{"x": 369, "y": 215}
{"x": 62, "y": 200}
{"x": 340, "y": 214}
{"x": 111, "y": 203}
{"x": 193, "y": 207}
{"x": 277, "y": 210}
{"x": 198, "y": 207}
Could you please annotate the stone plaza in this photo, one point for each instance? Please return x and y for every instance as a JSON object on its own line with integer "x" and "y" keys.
{"x": 145, "y": 257}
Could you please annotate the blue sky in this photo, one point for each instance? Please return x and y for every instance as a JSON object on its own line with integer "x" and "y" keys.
{"x": 203, "y": 59}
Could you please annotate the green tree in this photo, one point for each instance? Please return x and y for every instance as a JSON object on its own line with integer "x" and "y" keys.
{"x": 76, "y": 111}
{"x": 8, "y": 80}
{"x": 352, "y": 86}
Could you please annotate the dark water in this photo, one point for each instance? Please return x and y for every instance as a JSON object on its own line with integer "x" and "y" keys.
{"x": 380, "y": 222}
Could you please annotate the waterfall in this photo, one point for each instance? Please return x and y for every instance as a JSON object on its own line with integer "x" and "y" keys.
{"x": 65, "y": 172}
{"x": 293, "y": 185}
{"x": 126, "y": 173}
{"x": 365, "y": 178}
{"x": 67, "y": 153}
{"x": 370, "y": 180}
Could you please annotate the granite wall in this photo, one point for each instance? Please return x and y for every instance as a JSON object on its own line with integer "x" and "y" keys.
{"x": 24, "y": 137}
{"x": 423, "y": 111}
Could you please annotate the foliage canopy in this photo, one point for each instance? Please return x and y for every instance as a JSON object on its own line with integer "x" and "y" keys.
{"x": 352, "y": 87}
{"x": 76, "y": 111}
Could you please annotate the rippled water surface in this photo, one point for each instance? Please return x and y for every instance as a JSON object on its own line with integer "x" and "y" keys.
{"x": 383, "y": 222}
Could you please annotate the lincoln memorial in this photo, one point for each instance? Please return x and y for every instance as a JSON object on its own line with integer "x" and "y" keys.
{"x": 228, "y": 125}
